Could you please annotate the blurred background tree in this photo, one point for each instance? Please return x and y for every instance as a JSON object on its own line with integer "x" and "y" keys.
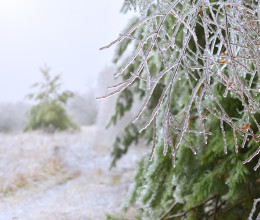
{"x": 49, "y": 113}
{"x": 198, "y": 76}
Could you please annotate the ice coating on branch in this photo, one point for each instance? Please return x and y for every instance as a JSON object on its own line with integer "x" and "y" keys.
{"x": 226, "y": 53}
{"x": 253, "y": 210}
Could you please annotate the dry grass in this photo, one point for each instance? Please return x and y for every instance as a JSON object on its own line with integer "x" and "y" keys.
{"x": 61, "y": 176}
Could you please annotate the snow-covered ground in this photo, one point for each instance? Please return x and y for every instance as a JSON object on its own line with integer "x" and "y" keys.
{"x": 62, "y": 176}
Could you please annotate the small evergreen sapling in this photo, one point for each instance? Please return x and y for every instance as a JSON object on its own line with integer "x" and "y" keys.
{"x": 48, "y": 113}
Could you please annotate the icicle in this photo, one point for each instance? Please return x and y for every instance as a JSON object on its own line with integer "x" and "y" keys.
{"x": 172, "y": 151}
{"x": 224, "y": 135}
{"x": 165, "y": 138}
{"x": 244, "y": 140}
{"x": 252, "y": 156}
{"x": 148, "y": 78}
{"x": 154, "y": 138}
{"x": 235, "y": 138}
{"x": 202, "y": 118}
{"x": 253, "y": 209}
{"x": 258, "y": 165}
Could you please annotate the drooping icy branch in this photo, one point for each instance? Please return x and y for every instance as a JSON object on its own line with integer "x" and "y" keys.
{"x": 229, "y": 57}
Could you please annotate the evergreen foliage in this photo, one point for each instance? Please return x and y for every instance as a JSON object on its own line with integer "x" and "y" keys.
{"x": 48, "y": 113}
{"x": 195, "y": 65}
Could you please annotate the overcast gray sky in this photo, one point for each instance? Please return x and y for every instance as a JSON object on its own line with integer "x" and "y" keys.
{"x": 64, "y": 34}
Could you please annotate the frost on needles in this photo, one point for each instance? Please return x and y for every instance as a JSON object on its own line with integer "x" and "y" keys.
{"x": 196, "y": 68}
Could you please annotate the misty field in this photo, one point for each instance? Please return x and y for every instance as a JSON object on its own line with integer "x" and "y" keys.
{"x": 62, "y": 176}
{"x": 65, "y": 175}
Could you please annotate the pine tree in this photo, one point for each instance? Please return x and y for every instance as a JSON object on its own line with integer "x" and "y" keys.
{"x": 49, "y": 113}
{"x": 196, "y": 66}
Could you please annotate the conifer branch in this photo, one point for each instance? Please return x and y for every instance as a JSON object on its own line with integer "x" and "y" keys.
{"x": 227, "y": 54}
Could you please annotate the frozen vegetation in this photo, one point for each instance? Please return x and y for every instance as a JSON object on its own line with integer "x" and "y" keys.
{"x": 82, "y": 108}
{"x": 63, "y": 175}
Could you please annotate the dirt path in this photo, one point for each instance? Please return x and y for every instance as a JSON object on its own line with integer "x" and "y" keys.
{"x": 85, "y": 189}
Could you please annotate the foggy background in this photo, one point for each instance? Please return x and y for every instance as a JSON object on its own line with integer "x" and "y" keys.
{"x": 62, "y": 175}
{"x": 65, "y": 35}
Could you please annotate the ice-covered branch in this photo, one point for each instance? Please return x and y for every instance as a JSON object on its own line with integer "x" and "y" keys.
{"x": 201, "y": 45}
